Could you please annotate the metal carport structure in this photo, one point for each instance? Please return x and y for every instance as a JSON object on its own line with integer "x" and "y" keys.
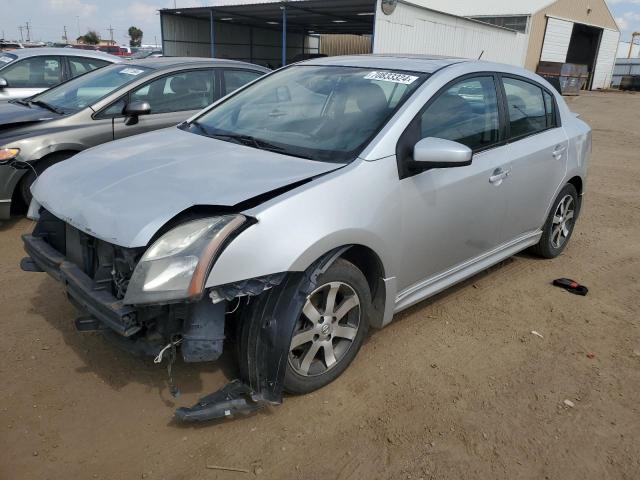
{"x": 265, "y": 32}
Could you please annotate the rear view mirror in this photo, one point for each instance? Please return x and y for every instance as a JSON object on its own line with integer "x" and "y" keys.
{"x": 3, "y": 83}
{"x": 439, "y": 153}
{"x": 134, "y": 110}
{"x": 283, "y": 94}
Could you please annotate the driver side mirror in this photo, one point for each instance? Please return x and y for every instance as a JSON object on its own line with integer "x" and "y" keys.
{"x": 133, "y": 110}
{"x": 439, "y": 153}
{"x": 3, "y": 83}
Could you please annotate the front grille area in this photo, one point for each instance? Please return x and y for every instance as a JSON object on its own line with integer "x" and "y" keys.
{"x": 110, "y": 266}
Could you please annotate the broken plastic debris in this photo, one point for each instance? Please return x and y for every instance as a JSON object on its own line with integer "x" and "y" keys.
{"x": 569, "y": 403}
{"x": 533, "y": 332}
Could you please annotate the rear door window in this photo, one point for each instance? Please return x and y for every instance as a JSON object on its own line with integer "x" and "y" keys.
{"x": 526, "y": 106}
{"x": 466, "y": 112}
{"x": 33, "y": 72}
{"x": 81, "y": 65}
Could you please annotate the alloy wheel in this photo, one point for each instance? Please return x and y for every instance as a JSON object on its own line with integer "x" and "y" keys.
{"x": 563, "y": 219}
{"x": 326, "y": 329}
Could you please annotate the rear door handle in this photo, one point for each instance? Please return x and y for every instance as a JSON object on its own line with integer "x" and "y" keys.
{"x": 558, "y": 151}
{"x": 498, "y": 176}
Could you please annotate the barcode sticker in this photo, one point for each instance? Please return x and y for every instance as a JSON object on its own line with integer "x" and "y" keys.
{"x": 392, "y": 77}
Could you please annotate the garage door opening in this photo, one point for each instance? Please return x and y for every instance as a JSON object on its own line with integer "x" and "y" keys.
{"x": 583, "y": 48}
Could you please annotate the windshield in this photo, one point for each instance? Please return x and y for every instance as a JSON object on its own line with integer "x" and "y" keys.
{"x": 87, "y": 89}
{"x": 324, "y": 113}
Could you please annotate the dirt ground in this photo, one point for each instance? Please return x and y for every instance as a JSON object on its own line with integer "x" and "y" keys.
{"x": 456, "y": 388}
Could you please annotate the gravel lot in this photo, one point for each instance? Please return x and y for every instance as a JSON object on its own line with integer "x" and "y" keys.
{"x": 457, "y": 387}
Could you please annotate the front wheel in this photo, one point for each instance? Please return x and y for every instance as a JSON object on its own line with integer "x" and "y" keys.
{"x": 559, "y": 226}
{"x": 330, "y": 329}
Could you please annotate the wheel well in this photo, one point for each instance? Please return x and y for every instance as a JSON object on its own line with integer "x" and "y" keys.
{"x": 370, "y": 265}
{"x": 576, "y": 182}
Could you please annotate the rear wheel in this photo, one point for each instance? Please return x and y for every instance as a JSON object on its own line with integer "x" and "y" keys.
{"x": 39, "y": 166}
{"x": 559, "y": 225}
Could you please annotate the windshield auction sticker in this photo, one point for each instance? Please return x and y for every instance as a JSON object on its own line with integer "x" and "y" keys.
{"x": 131, "y": 71}
{"x": 5, "y": 59}
{"x": 392, "y": 77}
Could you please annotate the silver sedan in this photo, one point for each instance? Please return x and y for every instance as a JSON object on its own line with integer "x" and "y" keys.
{"x": 29, "y": 71}
{"x": 307, "y": 207}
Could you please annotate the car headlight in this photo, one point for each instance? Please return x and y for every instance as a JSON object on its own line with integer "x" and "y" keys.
{"x": 7, "y": 154}
{"x": 176, "y": 266}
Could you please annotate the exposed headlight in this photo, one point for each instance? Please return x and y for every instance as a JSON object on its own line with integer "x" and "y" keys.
{"x": 7, "y": 154}
{"x": 176, "y": 266}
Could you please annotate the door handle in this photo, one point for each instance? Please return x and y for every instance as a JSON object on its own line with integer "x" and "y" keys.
{"x": 498, "y": 176}
{"x": 558, "y": 151}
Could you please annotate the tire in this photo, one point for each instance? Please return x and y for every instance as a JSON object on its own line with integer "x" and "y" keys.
{"x": 39, "y": 166}
{"x": 343, "y": 336}
{"x": 558, "y": 229}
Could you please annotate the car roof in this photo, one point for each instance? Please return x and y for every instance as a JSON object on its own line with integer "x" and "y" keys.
{"x": 69, "y": 52}
{"x": 159, "y": 63}
{"x": 413, "y": 63}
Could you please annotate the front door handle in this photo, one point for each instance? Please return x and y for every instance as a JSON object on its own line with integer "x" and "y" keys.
{"x": 498, "y": 176}
{"x": 559, "y": 151}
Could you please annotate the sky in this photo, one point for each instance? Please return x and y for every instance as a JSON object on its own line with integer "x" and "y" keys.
{"x": 47, "y": 18}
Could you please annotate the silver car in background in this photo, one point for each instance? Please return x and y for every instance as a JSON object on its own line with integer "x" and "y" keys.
{"x": 307, "y": 207}
{"x": 29, "y": 71}
{"x": 114, "y": 102}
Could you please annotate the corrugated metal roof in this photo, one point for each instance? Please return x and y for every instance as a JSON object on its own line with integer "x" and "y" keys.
{"x": 472, "y": 8}
{"x": 456, "y": 7}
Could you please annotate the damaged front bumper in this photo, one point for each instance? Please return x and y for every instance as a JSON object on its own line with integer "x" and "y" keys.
{"x": 81, "y": 289}
{"x": 200, "y": 327}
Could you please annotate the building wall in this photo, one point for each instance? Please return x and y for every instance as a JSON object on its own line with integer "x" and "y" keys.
{"x": 412, "y": 29}
{"x": 574, "y": 10}
{"x": 332, "y": 45}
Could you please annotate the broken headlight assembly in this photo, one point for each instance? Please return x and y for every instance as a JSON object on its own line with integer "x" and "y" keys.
{"x": 176, "y": 265}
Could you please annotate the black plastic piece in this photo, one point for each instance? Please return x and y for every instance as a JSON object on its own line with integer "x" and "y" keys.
{"x": 28, "y": 265}
{"x": 571, "y": 286}
{"x": 235, "y": 398}
{"x": 88, "y": 324}
{"x": 203, "y": 333}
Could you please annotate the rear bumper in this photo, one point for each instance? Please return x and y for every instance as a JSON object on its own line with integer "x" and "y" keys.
{"x": 81, "y": 289}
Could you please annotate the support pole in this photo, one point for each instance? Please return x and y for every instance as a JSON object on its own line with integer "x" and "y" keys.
{"x": 284, "y": 35}
{"x": 213, "y": 34}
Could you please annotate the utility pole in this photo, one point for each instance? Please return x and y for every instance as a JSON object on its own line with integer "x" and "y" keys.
{"x": 20, "y": 27}
{"x": 110, "y": 29}
{"x": 66, "y": 39}
{"x": 28, "y": 32}
{"x": 78, "y": 22}
{"x": 633, "y": 37}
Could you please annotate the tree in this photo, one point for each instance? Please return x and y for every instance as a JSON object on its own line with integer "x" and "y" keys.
{"x": 135, "y": 34}
{"x": 90, "y": 38}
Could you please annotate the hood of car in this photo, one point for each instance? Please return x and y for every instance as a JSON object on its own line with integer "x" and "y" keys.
{"x": 124, "y": 191}
{"x": 14, "y": 115}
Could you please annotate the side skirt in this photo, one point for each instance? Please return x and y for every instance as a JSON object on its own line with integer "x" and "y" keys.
{"x": 431, "y": 286}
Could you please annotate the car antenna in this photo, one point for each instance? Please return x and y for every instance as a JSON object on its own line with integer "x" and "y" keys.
{"x": 481, "y": 53}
